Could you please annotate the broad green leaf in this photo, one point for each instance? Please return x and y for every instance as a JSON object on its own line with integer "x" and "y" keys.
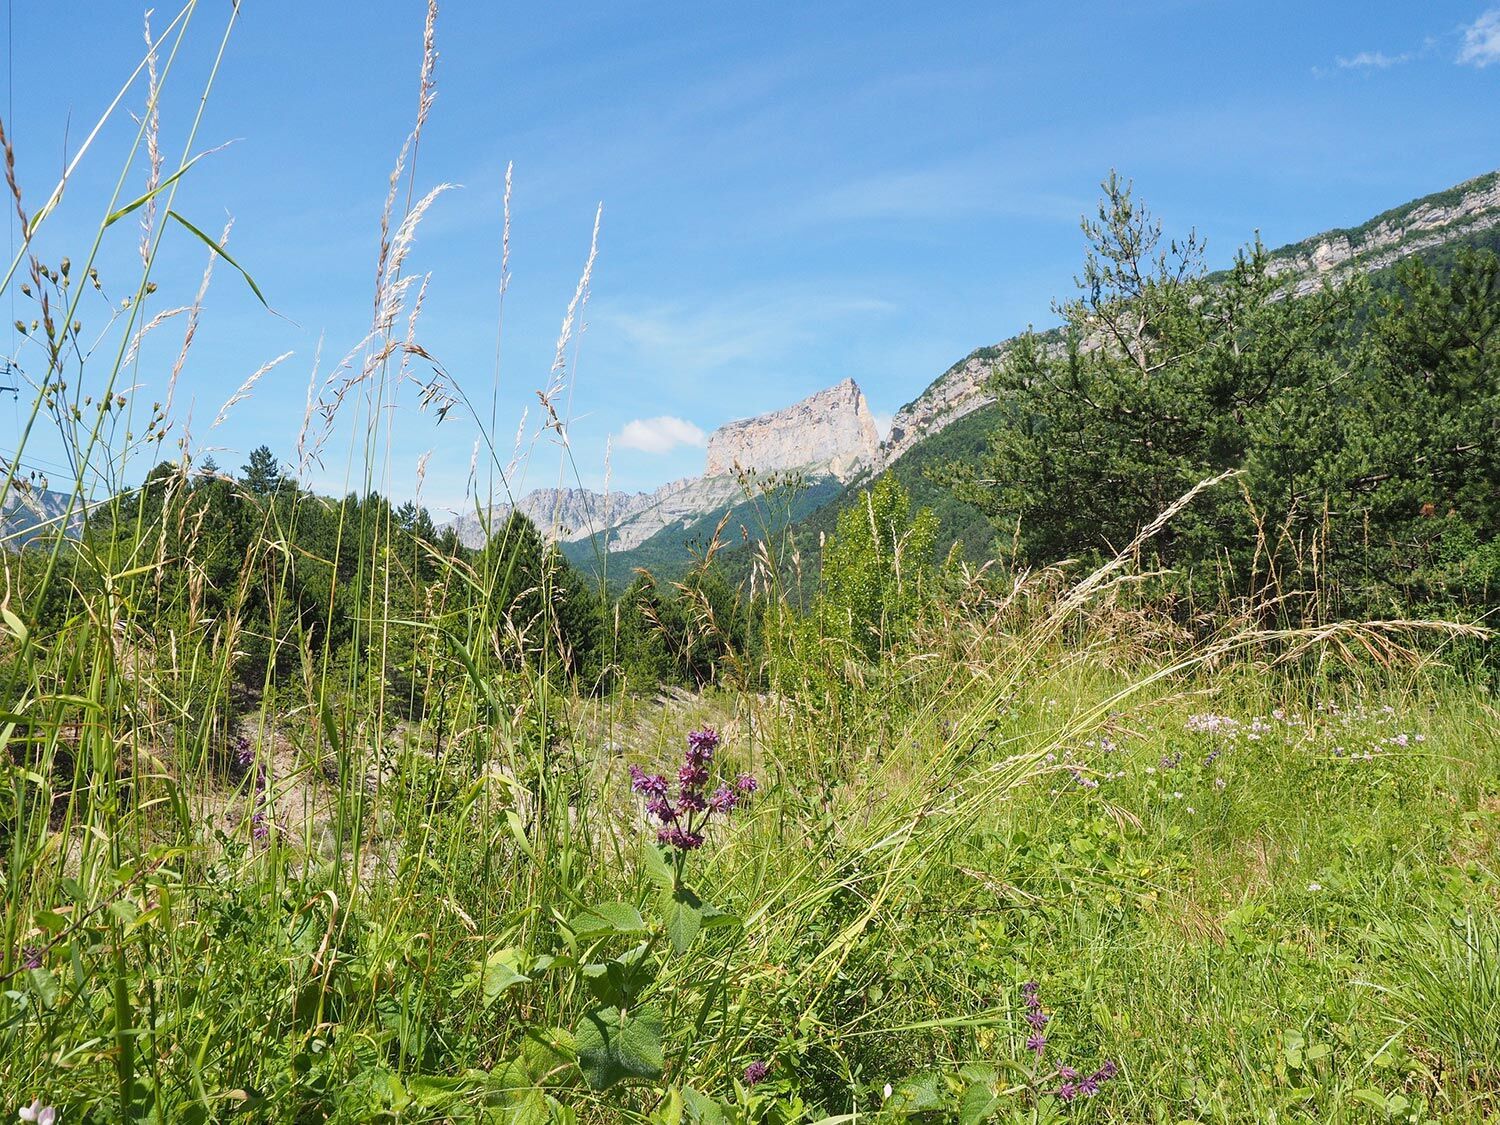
{"x": 682, "y": 911}
{"x": 14, "y": 624}
{"x": 501, "y": 970}
{"x": 671, "y": 1109}
{"x": 979, "y": 1104}
{"x": 528, "y": 1108}
{"x": 657, "y": 869}
{"x": 546, "y": 1053}
{"x": 714, "y": 918}
{"x": 918, "y": 1094}
{"x": 607, "y": 918}
{"x": 1370, "y": 1097}
{"x": 45, "y": 986}
{"x": 700, "y": 1109}
{"x": 618, "y": 982}
{"x": 615, "y": 1045}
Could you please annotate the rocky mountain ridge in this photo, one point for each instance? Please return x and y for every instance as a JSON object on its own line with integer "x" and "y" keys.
{"x": 830, "y": 434}
{"x": 1422, "y": 224}
{"x": 32, "y": 510}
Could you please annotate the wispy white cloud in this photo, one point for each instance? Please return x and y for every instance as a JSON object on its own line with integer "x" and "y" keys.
{"x": 661, "y": 434}
{"x": 1482, "y": 40}
{"x": 1372, "y": 60}
{"x": 883, "y": 424}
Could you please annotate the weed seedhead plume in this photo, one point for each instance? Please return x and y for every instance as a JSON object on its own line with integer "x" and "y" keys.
{"x": 559, "y": 374}
{"x": 243, "y": 392}
{"x": 153, "y": 146}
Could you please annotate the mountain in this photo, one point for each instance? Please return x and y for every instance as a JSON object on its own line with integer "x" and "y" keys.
{"x": 31, "y": 510}
{"x": 827, "y": 438}
{"x": 951, "y": 420}
{"x": 1466, "y": 212}
{"x": 830, "y": 433}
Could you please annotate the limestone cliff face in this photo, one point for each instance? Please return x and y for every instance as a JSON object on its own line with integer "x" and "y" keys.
{"x": 831, "y": 433}
{"x": 1464, "y": 210}
{"x": 1467, "y": 209}
{"x": 960, "y": 390}
{"x": 31, "y": 509}
{"x": 832, "y": 428}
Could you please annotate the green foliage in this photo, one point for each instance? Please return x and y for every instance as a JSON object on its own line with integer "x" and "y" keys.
{"x": 875, "y": 567}
{"x": 1364, "y": 442}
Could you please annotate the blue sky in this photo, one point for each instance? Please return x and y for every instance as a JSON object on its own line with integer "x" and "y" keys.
{"x": 792, "y": 193}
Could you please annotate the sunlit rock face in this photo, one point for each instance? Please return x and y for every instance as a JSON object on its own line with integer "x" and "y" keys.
{"x": 832, "y": 429}
{"x": 831, "y": 433}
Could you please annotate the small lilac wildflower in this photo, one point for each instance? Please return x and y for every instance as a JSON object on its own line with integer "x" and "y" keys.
{"x": 756, "y": 1072}
{"x": 1073, "y": 1087}
{"x": 680, "y": 822}
{"x": 647, "y": 784}
{"x": 1171, "y": 761}
{"x": 260, "y": 825}
{"x": 701, "y": 746}
{"x": 1037, "y": 1019}
{"x": 244, "y": 754}
{"x": 724, "y": 800}
{"x": 1212, "y": 724}
{"x": 38, "y": 1113}
{"x": 1037, "y": 1042}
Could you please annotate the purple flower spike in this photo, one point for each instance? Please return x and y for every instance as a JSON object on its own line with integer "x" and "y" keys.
{"x": 756, "y": 1072}
{"x": 1037, "y": 1020}
{"x": 680, "y": 838}
{"x": 1089, "y": 1086}
{"x": 1107, "y": 1071}
{"x": 691, "y": 776}
{"x": 1037, "y": 1042}
{"x": 1067, "y": 1073}
{"x": 662, "y": 809}
{"x": 701, "y": 746}
{"x": 746, "y": 784}
{"x": 724, "y": 800}
{"x": 647, "y": 784}
{"x": 31, "y": 957}
{"x": 1067, "y": 1091}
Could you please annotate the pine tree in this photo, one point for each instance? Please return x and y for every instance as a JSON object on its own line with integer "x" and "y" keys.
{"x": 261, "y": 475}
